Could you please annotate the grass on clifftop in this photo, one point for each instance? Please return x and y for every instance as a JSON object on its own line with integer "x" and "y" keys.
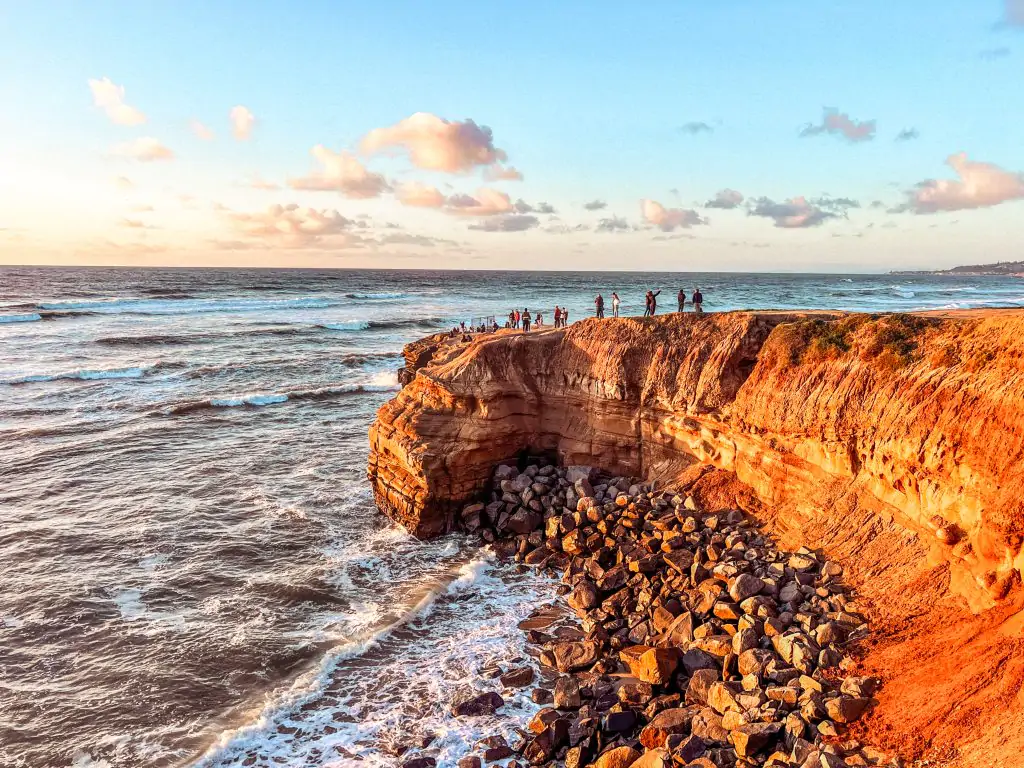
{"x": 890, "y": 341}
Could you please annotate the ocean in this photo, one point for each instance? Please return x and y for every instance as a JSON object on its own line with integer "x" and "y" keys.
{"x": 193, "y": 570}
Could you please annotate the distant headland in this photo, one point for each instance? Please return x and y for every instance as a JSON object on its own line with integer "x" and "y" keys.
{"x": 1002, "y": 268}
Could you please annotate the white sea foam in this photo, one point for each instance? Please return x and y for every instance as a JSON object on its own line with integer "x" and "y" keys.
{"x": 187, "y": 306}
{"x": 30, "y": 318}
{"x": 351, "y": 325}
{"x": 396, "y": 685}
{"x": 134, "y": 372}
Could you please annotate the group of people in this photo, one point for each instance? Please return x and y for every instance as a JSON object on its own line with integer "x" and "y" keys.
{"x": 526, "y": 320}
{"x": 650, "y": 303}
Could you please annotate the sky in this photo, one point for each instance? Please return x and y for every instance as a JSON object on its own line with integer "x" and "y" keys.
{"x": 738, "y": 135}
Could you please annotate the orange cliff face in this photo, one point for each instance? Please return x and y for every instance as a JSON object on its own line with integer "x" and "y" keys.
{"x": 912, "y": 419}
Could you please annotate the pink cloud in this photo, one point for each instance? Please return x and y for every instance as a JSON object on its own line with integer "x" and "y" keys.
{"x": 242, "y": 121}
{"x": 836, "y": 122}
{"x": 343, "y": 173}
{"x": 200, "y": 130}
{"x": 503, "y": 173}
{"x": 486, "y": 202}
{"x": 110, "y": 98}
{"x": 668, "y": 219}
{"x": 145, "y": 150}
{"x": 980, "y": 185}
{"x": 419, "y": 195}
{"x": 293, "y": 226}
{"x": 436, "y": 144}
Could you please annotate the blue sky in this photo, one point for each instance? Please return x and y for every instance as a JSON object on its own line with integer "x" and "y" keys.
{"x": 587, "y": 100}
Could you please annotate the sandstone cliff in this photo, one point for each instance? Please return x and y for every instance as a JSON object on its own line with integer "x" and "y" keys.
{"x": 919, "y": 418}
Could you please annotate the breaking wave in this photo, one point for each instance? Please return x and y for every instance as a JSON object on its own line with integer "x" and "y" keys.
{"x": 83, "y": 375}
{"x": 260, "y": 399}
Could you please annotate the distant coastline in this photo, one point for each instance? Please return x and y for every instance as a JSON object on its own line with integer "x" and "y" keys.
{"x": 1000, "y": 269}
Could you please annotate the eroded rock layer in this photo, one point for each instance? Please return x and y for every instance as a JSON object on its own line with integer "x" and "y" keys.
{"x": 922, "y": 417}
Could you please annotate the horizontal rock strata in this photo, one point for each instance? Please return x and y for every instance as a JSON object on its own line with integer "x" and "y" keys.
{"x": 913, "y": 419}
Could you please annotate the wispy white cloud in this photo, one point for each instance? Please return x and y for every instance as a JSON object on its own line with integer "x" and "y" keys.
{"x": 145, "y": 150}
{"x": 110, "y": 98}
{"x": 503, "y": 173}
{"x": 123, "y": 182}
{"x": 201, "y": 130}
{"x": 908, "y": 134}
{"x": 242, "y": 122}
{"x": 436, "y": 144}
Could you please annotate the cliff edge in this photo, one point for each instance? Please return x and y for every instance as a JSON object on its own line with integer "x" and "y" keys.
{"x": 893, "y": 442}
{"x": 920, "y": 418}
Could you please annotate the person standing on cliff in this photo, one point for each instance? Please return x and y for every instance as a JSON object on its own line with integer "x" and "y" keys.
{"x": 558, "y": 315}
{"x": 599, "y": 305}
{"x": 526, "y": 320}
{"x": 615, "y": 304}
{"x": 698, "y": 301}
{"x": 565, "y": 316}
{"x": 681, "y": 298}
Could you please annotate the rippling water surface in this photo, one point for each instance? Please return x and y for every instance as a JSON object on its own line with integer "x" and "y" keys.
{"x": 193, "y": 570}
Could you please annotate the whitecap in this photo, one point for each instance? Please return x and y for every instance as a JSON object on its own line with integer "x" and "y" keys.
{"x": 83, "y": 375}
{"x": 351, "y": 325}
{"x": 233, "y": 402}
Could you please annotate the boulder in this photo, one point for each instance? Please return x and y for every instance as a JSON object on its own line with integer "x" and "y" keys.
{"x": 747, "y": 740}
{"x": 722, "y": 698}
{"x": 667, "y": 723}
{"x": 745, "y": 585}
{"x": 567, "y": 693}
{"x": 620, "y": 757}
{"x": 571, "y": 656}
{"x": 579, "y": 472}
{"x": 700, "y": 682}
{"x": 584, "y": 597}
{"x": 654, "y": 665}
{"x": 846, "y": 709}
{"x": 476, "y": 706}
{"x": 518, "y": 678}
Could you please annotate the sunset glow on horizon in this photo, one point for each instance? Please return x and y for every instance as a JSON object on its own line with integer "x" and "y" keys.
{"x": 669, "y": 136}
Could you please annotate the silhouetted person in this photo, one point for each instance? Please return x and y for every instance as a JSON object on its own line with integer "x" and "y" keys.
{"x": 599, "y": 305}
{"x": 698, "y": 301}
{"x": 526, "y": 320}
{"x": 681, "y": 297}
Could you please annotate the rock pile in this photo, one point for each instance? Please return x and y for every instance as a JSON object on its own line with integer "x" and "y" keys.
{"x": 699, "y": 643}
